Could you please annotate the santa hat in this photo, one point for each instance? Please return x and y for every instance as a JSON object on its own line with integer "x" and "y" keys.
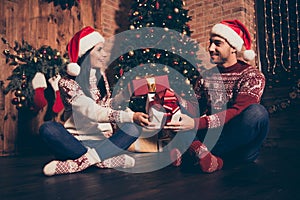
{"x": 236, "y": 35}
{"x": 80, "y": 43}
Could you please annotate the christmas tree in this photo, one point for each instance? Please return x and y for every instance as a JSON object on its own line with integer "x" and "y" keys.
{"x": 158, "y": 42}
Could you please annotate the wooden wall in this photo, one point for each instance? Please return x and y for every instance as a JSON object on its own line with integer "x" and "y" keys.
{"x": 40, "y": 23}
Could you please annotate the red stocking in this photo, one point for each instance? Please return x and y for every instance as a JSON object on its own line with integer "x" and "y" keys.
{"x": 39, "y": 84}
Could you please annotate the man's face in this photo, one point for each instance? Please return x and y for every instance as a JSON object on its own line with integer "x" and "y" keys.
{"x": 221, "y": 53}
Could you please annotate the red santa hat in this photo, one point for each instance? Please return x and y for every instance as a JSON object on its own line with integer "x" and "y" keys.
{"x": 236, "y": 35}
{"x": 80, "y": 43}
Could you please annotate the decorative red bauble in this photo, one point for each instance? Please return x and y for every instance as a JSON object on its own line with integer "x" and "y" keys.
{"x": 15, "y": 101}
{"x": 121, "y": 72}
{"x": 23, "y": 85}
{"x": 157, "y": 5}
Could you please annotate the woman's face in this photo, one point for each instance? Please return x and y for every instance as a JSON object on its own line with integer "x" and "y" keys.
{"x": 98, "y": 57}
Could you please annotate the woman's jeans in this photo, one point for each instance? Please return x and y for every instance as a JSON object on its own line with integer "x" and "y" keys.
{"x": 241, "y": 138}
{"x": 65, "y": 146}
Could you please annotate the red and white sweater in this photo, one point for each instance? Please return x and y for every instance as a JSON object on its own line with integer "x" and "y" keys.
{"x": 86, "y": 118}
{"x": 231, "y": 90}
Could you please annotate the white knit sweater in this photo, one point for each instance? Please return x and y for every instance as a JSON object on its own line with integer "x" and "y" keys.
{"x": 88, "y": 118}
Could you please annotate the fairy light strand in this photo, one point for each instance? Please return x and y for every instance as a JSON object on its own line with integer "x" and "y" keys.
{"x": 298, "y": 28}
{"x": 273, "y": 37}
{"x": 267, "y": 37}
{"x": 289, "y": 34}
{"x": 281, "y": 37}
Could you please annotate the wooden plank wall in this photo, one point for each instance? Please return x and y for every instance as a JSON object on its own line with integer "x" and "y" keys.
{"x": 39, "y": 23}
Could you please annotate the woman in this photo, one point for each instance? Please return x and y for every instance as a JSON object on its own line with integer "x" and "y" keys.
{"x": 87, "y": 137}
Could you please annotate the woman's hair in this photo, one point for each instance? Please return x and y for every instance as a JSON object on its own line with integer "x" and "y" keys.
{"x": 83, "y": 79}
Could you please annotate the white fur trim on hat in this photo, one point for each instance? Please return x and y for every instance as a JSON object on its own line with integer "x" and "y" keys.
{"x": 73, "y": 69}
{"x": 249, "y": 55}
{"x": 39, "y": 81}
{"x": 89, "y": 41}
{"x": 230, "y": 35}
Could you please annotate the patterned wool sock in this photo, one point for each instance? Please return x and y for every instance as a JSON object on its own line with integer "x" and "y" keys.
{"x": 175, "y": 156}
{"x": 207, "y": 161}
{"x": 56, "y": 167}
{"x": 39, "y": 99}
{"x": 58, "y": 104}
{"x": 39, "y": 84}
{"x": 123, "y": 161}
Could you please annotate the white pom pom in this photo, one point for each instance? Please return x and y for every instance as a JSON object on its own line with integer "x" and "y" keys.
{"x": 249, "y": 55}
{"x": 73, "y": 69}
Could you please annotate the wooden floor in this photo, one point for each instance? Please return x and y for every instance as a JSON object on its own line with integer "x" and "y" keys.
{"x": 275, "y": 175}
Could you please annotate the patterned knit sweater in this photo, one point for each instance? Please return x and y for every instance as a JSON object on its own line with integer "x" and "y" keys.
{"x": 231, "y": 90}
{"x": 89, "y": 118}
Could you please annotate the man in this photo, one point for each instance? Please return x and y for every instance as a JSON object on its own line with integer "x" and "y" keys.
{"x": 237, "y": 124}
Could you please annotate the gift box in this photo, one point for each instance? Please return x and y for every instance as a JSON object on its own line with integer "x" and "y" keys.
{"x": 157, "y": 98}
{"x": 160, "y": 102}
{"x": 163, "y": 107}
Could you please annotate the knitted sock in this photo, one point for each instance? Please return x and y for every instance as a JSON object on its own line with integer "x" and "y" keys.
{"x": 58, "y": 104}
{"x": 175, "y": 156}
{"x": 207, "y": 161}
{"x": 123, "y": 161}
{"x": 71, "y": 166}
{"x": 39, "y": 99}
{"x": 39, "y": 84}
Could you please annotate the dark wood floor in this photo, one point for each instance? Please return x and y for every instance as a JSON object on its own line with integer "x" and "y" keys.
{"x": 275, "y": 175}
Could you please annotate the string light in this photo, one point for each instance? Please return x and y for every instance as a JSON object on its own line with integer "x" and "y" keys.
{"x": 298, "y": 28}
{"x": 289, "y": 33}
{"x": 267, "y": 36}
{"x": 280, "y": 41}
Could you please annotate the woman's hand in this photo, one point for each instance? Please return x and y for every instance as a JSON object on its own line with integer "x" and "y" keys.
{"x": 186, "y": 123}
{"x": 107, "y": 134}
{"x": 141, "y": 118}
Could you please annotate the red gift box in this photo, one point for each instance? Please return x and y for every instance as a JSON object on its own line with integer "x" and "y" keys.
{"x": 162, "y": 103}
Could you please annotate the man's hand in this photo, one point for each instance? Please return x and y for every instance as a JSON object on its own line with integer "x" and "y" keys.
{"x": 186, "y": 123}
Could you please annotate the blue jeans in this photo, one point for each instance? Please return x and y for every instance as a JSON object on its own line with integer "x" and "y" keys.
{"x": 65, "y": 146}
{"x": 242, "y": 137}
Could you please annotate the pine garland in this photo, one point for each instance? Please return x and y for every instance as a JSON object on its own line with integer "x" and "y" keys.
{"x": 27, "y": 61}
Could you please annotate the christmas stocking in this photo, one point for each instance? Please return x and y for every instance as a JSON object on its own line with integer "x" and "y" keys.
{"x": 39, "y": 85}
{"x": 58, "y": 105}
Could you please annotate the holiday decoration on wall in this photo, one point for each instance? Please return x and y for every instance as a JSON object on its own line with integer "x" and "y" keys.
{"x": 64, "y": 4}
{"x": 281, "y": 56}
{"x": 281, "y": 60}
{"x": 32, "y": 68}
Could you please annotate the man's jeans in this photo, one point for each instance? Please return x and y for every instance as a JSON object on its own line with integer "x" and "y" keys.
{"x": 242, "y": 137}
